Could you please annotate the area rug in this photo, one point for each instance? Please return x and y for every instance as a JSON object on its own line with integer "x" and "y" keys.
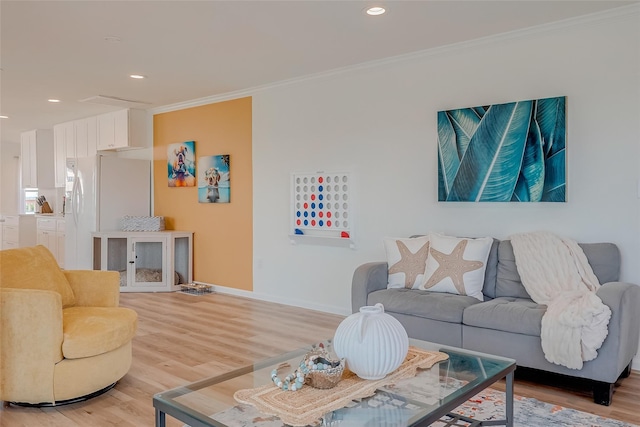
{"x": 488, "y": 405}
{"x": 528, "y": 412}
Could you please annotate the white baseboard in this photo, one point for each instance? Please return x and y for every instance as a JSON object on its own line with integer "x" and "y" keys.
{"x": 279, "y": 300}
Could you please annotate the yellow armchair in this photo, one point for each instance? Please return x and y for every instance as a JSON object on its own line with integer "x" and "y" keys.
{"x": 62, "y": 334}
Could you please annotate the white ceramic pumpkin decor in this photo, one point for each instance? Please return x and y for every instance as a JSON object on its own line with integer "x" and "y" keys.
{"x": 373, "y": 342}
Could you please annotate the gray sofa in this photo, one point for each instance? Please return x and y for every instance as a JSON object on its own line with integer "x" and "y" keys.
{"x": 508, "y": 322}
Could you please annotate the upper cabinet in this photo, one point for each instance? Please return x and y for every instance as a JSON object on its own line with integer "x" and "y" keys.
{"x": 71, "y": 140}
{"x": 86, "y": 137}
{"x": 122, "y": 129}
{"x": 37, "y": 159}
{"x": 64, "y": 147}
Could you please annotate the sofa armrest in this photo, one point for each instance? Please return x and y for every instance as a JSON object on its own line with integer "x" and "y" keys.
{"x": 95, "y": 288}
{"x": 624, "y": 327}
{"x": 367, "y": 278}
{"x": 30, "y": 344}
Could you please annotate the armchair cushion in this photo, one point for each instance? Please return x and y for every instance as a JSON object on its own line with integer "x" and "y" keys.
{"x": 90, "y": 331}
{"x": 34, "y": 268}
{"x": 94, "y": 288}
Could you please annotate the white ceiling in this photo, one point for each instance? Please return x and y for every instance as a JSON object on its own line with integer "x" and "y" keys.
{"x": 195, "y": 49}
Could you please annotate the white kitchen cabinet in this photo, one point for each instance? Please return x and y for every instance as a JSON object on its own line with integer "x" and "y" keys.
{"x": 28, "y": 159}
{"x": 64, "y": 147}
{"x": 72, "y": 140}
{"x": 86, "y": 137}
{"x": 69, "y": 140}
{"x": 155, "y": 261}
{"x": 18, "y": 231}
{"x": 50, "y": 233}
{"x": 122, "y": 129}
{"x": 37, "y": 159}
{"x": 60, "y": 235}
{"x": 59, "y": 156}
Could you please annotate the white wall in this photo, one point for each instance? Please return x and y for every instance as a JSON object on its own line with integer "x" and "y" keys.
{"x": 379, "y": 123}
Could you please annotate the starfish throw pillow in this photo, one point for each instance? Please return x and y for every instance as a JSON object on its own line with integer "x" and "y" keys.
{"x": 457, "y": 265}
{"x": 407, "y": 261}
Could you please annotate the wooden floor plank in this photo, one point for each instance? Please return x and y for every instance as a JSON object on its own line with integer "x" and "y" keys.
{"x": 184, "y": 338}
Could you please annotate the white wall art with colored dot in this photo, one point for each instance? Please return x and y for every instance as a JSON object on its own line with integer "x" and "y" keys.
{"x": 321, "y": 206}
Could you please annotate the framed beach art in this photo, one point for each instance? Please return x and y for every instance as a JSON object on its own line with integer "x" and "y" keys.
{"x": 513, "y": 152}
{"x": 214, "y": 185}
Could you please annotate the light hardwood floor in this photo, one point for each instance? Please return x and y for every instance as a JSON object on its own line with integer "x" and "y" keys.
{"x": 183, "y": 338}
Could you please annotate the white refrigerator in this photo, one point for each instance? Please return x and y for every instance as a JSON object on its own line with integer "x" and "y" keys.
{"x": 100, "y": 191}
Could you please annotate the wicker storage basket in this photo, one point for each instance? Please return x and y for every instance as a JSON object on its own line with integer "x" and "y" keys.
{"x": 142, "y": 223}
{"x": 327, "y": 378}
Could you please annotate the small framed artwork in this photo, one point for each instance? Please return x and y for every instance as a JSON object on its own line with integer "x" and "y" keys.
{"x": 214, "y": 185}
{"x": 181, "y": 165}
{"x": 514, "y": 152}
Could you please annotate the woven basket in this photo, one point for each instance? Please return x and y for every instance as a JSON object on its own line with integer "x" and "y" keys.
{"x": 327, "y": 378}
{"x": 142, "y": 223}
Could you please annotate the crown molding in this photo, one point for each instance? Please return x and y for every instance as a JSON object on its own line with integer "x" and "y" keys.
{"x": 620, "y": 13}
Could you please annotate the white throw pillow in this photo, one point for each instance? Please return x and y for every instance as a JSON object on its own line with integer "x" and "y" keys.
{"x": 457, "y": 265}
{"x": 406, "y": 261}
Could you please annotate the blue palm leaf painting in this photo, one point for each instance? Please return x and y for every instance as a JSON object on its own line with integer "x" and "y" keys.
{"x": 465, "y": 122}
{"x": 503, "y": 152}
{"x": 448, "y": 158}
{"x": 531, "y": 180}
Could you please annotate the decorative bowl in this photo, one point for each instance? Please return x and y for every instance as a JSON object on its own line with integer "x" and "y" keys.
{"x": 324, "y": 378}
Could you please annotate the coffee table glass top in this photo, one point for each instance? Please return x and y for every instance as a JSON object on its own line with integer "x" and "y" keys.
{"x": 419, "y": 400}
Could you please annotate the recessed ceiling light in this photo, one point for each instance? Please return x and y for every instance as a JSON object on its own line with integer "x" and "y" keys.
{"x": 4, "y": 117}
{"x": 53, "y": 100}
{"x": 137, "y": 76}
{"x": 375, "y": 10}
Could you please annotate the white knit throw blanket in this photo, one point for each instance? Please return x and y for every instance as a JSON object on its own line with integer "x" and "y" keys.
{"x": 556, "y": 273}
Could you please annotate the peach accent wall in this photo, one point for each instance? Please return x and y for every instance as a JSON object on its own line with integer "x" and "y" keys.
{"x": 223, "y": 232}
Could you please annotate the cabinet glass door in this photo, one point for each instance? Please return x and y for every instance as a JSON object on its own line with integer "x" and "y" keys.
{"x": 115, "y": 257}
{"x": 148, "y": 264}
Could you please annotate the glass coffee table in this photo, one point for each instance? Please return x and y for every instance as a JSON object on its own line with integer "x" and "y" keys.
{"x": 420, "y": 401}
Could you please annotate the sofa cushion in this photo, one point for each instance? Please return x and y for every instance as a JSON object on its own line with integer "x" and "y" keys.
{"x": 457, "y": 265}
{"x": 489, "y": 287}
{"x": 430, "y": 305}
{"x": 604, "y": 259}
{"x": 517, "y": 315}
{"x": 34, "y": 268}
{"x": 90, "y": 331}
{"x": 508, "y": 282}
{"x": 406, "y": 260}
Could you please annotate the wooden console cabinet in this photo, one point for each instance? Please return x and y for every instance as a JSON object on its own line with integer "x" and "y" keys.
{"x": 153, "y": 261}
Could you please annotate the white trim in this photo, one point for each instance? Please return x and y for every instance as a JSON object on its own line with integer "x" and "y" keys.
{"x": 624, "y": 12}
{"x": 279, "y": 300}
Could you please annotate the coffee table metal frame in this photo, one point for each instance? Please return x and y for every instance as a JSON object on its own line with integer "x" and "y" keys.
{"x": 166, "y": 403}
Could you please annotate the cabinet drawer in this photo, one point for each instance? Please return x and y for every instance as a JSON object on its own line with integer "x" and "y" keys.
{"x": 9, "y": 245}
{"x": 11, "y": 220}
{"x": 60, "y": 226}
{"x": 10, "y": 234}
{"x": 46, "y": 224}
